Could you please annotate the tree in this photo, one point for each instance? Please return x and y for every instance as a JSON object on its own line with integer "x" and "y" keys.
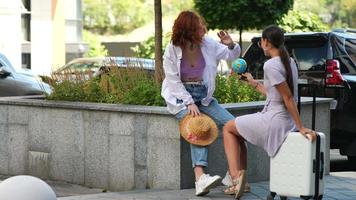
{"x": 242, "y": 14}
{"x": 158, "y": 41}
{"x": 96, "y": 49}
{"x": 113, "y": 16}
{"x": 349, "y": 7}
{"x": 146, "y": 49}
{"x": 337, "y": 13}
{"x": 301, "y": 21}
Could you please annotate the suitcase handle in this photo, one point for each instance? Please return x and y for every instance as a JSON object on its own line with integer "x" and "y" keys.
{"x": 321, "y": 165}
{"x": 313, "y": 87}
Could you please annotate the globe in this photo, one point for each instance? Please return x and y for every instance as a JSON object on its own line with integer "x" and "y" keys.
{"x": 239, "y": 66}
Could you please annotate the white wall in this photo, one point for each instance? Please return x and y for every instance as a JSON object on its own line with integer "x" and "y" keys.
{"x": 41, "y": 37}
{"x": 73, "y": 17}
{"x": 10, "y": 34}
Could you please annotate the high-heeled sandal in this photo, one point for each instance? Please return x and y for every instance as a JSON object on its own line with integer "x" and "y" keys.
{"x": 228, "y": 182}
{"x": 240, "y": 186}
{"x": 237, "y": 185}
{"x": 230, "y": 190}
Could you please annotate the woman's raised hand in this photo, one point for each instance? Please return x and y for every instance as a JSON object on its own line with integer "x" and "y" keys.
{"x": 225, "y": 38}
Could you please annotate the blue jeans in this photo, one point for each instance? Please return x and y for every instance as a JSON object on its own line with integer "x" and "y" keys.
{"x": 219, "y": 114}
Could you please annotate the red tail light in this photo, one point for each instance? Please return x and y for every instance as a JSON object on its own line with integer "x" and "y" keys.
{"x": 333, "y": 74}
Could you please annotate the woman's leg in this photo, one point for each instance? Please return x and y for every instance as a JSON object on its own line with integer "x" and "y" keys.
{"x": 199, "y": 155}
{"x": 243, "y": 155}
{"x": 199, "y": 160}
{"x": 235, "y": 149}
{"x": 221, "y": 117}
{"x": 219, "y": 114}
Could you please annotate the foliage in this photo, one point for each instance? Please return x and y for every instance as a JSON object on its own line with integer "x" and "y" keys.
{"x": 336, "y": 13}
{"x": 147, "y": 48}
{"x": 343, "y": 12}
{"x": 173, "y": 7}
{"x": 113, "y": 16}
{"x": 302, "y": 21}
{"x": 242, "y": 14}
{"x": 96, "y": 49}
{"x": 67, "y": 91}
{"x": 137, "y": 87}
{"x": 230, "y": 89}
{"x": 127, "y": 86}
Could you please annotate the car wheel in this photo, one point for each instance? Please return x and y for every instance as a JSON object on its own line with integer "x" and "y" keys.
{"x": 352, "y": 161}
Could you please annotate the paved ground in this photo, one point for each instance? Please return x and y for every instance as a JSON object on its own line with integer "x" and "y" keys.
{"x": 340, "y": 186}
{"x": 339, "y": 163}
{"x": 65, "y": 189}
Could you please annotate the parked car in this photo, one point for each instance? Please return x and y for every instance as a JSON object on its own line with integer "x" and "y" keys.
{"x": 99, "y": 65}
{"x": 19, "y": 83}
{"x": 327, "y": 60}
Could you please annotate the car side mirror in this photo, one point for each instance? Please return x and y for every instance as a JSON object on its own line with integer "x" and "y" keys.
{"x": 4, "y": 73}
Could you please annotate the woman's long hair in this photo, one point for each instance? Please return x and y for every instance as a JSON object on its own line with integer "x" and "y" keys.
{"x": 187, "y": 29}
{"x": 275, "y": 36}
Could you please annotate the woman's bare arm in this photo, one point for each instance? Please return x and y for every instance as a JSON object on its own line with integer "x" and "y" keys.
{"x": 257, "y": 85}
{"x": 291, "y": 106}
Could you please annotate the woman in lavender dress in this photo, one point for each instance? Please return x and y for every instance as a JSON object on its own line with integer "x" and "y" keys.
{"x": 190, "y": 67}
{"x": 269, "y": 128}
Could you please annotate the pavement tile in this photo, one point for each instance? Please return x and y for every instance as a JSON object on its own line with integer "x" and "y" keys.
{"x": 338, "y": 187}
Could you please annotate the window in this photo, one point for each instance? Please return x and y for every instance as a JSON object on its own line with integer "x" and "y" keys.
{"x": 255, "y": 59}
{"x": 310, "y": 58}
{"x": 26, "y": 60}
{"x": 350, "y": 47}
{"x": 26, "y": 20}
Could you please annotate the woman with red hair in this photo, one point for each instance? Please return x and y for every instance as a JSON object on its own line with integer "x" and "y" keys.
{"x": 190, "y": 66}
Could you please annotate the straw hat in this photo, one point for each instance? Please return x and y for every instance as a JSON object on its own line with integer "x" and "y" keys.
{"x": 199, "y": 130}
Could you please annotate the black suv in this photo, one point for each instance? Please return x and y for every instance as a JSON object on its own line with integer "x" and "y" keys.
{"x": 327, "y": 60}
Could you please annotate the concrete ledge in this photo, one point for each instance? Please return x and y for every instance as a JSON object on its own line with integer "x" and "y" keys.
{"x": 117, "y": 147}
{"x": 29, "y": 101}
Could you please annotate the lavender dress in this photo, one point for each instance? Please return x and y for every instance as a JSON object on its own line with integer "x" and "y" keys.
{"x": 269, "y": 128}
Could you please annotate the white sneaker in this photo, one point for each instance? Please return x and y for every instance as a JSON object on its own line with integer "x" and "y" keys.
{"x": 205, "y": 183}
{"x": 227, "y": 181}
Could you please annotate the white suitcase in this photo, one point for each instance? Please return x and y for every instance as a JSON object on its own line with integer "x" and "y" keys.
{"x": 297, "y": 170}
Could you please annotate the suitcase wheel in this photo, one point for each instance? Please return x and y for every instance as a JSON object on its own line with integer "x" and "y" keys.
{"x": 271, "y": 196}
{"x": 320, "y": 197}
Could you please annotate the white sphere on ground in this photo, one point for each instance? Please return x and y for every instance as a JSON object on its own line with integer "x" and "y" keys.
{"x": 25, "y": 188}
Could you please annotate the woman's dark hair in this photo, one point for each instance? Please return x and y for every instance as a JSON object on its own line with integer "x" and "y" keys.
{"x": 186, "y": 29}
{"x": 275, "y": 36}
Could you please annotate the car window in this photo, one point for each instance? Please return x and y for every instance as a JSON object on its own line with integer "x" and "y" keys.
{"x": 309, "y": 58}
{"x": 255, "y": 59}
{"x": 84, "y": 66}
{"x": 6, "y": 63}
{"x": 350, "y": 47}
{"x": 343, "y": 51}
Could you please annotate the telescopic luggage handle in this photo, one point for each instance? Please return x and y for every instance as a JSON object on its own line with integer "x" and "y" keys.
{"x": 313, "y": 87}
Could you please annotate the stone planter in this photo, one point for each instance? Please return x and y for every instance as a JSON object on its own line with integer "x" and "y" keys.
{"x": 117, "y": 147}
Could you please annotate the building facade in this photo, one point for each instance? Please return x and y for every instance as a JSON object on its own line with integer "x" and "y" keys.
{"x": 41, "y": 34}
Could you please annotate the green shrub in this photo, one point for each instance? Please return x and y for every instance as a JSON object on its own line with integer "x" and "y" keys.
{"x": 127, "y": 86}
{"x": 68, "y": 91}
{"x": 137, "y": 87}
{"x": 232, "y": 90}
{"x": 147, "y": 48}
{"x": 96, "y": 49}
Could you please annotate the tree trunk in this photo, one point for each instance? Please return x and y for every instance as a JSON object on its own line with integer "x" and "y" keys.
{"x": 240, "y": 41}
{"x": 158, "y": 41}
